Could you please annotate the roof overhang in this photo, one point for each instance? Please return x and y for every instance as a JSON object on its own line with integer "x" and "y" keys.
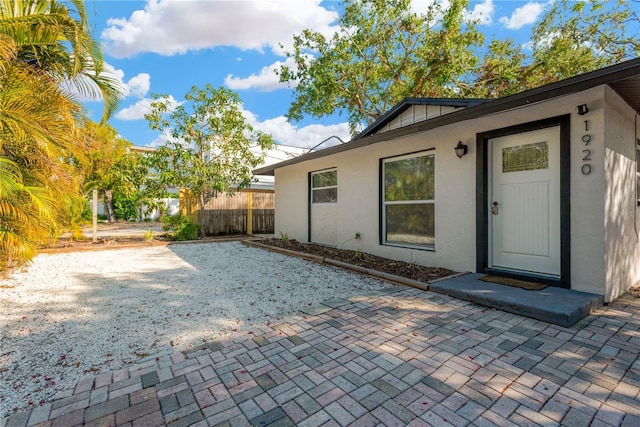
{"x": 624, "y": 78}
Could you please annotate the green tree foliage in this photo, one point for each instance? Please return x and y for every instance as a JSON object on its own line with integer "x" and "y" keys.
{"x": 125, "y": 207}
{"x": 382, "y": 53}
{"x": 138, "y": 182}
{"x": 103, "y": 152}
{"x": 55, "y": 38}
{"x": 45, "y": 46}
{"x": 209, "y": 146}
{"x": 501, "y": 73}
{"x": 37, "y": 137}
{"x": 571, "y": 38}
{"x": 25, "y": 212}
{"x": 609, "y": 30}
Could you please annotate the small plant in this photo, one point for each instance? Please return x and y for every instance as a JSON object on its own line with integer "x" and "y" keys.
{"x": 147, "y": 219}
{"x": 284, "y": 237}
{"x": 78, "y": 235}
{"x": 357, "y": 236}
{"x": 358, "y": 254}
{"x": 148, "y": 235}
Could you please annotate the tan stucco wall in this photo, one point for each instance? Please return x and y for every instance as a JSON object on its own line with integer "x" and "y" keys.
{"x": 622, "y": 256}
{"x": 358, "y": 192}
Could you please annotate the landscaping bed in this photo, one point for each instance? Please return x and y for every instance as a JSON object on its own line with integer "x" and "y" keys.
{"x": 354, "y": 257}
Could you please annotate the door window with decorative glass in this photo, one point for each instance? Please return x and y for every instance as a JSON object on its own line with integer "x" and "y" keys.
{"x": 324, "y": 186}
{"x": 408, "y": 196}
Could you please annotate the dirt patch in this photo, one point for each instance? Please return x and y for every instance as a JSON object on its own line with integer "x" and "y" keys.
{"x": 70, "y": 245}
{"x": 362, "y": 259}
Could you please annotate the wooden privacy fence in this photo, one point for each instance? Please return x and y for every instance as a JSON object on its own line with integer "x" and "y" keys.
{"x": 226, "y": 214}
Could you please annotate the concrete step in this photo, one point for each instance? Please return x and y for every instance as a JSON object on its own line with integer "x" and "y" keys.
{"x": 559, "y": 306}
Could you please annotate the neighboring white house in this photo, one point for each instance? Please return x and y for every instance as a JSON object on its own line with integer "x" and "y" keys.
{"x": 547, "y": 189}
{"x": 278, "y": 153}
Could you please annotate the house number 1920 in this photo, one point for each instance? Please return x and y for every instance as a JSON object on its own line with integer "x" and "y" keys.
{"x": 586, "y": 153}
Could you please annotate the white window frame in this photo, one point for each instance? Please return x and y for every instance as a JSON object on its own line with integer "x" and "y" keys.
{"x": 312, "y": 188}
{"x": 385, "y": 203}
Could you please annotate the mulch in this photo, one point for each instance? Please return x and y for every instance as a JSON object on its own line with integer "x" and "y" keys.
{"x": 398, "y": 268}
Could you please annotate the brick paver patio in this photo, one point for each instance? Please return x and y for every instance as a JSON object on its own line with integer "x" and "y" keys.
{"x": 397, "y": 357}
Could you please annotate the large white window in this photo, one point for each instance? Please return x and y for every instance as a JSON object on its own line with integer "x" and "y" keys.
{"x": 408, "y": 197}
{"x": 324, "y": 186}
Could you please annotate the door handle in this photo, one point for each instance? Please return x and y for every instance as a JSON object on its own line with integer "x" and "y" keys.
{"x": 495, "y": 209}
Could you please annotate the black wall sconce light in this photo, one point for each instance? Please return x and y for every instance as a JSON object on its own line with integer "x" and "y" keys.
{"x": 582, "y": 109}
{"x": 461, "y": 149}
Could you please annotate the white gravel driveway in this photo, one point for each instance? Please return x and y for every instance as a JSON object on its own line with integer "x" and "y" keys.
{"x": 82, "y": 313}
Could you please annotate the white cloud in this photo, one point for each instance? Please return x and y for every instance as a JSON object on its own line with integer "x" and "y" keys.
{"x": 139, "y": 85}
{"x": 169, "y": 27}
{"x": 525, "y": 15}
{"x": 305, "y": 137}
{"x": 142, "y": 107}
{"x": 160, "y": 140}
{"x": 266, "y": 80}
{"x": 422, "y": 6}
{"x": 481, "y": 12}
{"x": 136, "y": 86}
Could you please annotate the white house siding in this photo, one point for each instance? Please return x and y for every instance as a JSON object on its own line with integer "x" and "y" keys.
{"x": 324, "y": 220}
{"x": 622, "y": 256}
{"x": 455, "y": 180}
{"x": 292, "y": 202}
{"x": 415, "y": 114}
{"x": 587, "y": 193}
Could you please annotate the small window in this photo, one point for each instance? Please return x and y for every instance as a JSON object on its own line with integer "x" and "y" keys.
{"x": 324, "y": 186}
{"x": 526, "y": 157}
{"x": 408, "y": 197}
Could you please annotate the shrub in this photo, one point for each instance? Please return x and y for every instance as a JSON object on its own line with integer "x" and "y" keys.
{"x": 180, "y": 227}
{"x": 125, "y": 208}
{"x": 87, "y": 213}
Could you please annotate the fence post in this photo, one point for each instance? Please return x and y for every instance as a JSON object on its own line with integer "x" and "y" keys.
{"x": 249, "y": 212}
{"x": 94, "y": 215}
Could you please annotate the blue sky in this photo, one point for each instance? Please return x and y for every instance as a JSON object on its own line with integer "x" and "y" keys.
{"x": 168, "y": 46}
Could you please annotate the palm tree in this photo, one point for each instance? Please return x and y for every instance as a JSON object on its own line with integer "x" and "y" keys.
{"x": 24, "y": 212}
{"x": 38, "y": 134}
{"x": 49, "y": 38}
{"x": 42, "y": 47}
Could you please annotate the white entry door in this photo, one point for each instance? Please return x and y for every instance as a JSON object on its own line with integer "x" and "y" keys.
{"x": 524, "y": 207}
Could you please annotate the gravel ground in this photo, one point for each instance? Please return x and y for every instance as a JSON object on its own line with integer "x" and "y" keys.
{"x": 71, "y": 315}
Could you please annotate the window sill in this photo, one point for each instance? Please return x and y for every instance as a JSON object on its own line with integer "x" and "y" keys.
{"x": 409, "y": 246}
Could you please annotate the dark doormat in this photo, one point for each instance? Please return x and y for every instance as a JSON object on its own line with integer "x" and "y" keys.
{"x": 530, "y": 286}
